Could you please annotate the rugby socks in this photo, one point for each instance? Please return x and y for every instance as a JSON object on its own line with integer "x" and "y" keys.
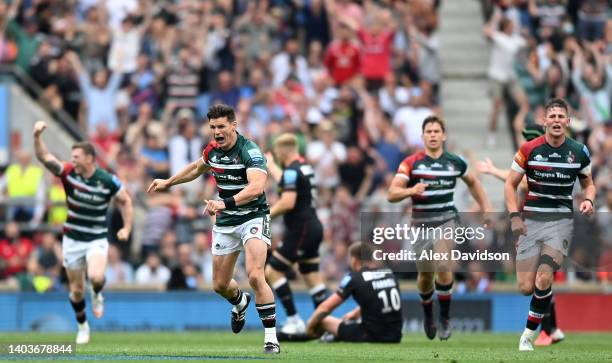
{"x": 97, "y": 286}
{"x": 540, "y": 302}
{"x": 239, "y": 301}
{"x": 267, "y": 314}
{"x": 444, "y": 293}
{"x": 549, "y": 322}
{"x": 79, "y": 310}
{"x": 427, "y": 303}
{"x": 283, "y": 291}
{"x": 318, "y": 294}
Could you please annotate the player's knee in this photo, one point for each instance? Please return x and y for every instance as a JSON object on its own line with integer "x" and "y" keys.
{"x": 256, "y": 277}
{"x": 425, "y": 277}
{"x": 76, "y": 293}
{"x": 96, "y": 277}
{"x": 526, "y": 287}
{"x": 220, "y": 287}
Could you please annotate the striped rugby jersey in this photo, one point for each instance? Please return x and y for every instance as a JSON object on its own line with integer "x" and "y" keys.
{"x": 88, "y": 201}
{"x": 551, "y": 173}
{"x": 230, "y": 171}
{"x": 436, "y": 203}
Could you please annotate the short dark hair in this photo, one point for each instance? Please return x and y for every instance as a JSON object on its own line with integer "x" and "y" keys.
{"x": 556, "y": 102}
{"x": 362, "y": 251}
{"x": 433, "y": 119}
{"x": 87, "y": 148}
{"x": 221, "y": 110}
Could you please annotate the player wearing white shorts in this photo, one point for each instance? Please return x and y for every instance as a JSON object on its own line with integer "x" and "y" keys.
{"x": 243, "y": 217}
{"x": 89, "y": 191}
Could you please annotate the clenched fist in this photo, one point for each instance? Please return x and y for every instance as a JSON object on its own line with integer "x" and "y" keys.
{"x": 39, "y": 128}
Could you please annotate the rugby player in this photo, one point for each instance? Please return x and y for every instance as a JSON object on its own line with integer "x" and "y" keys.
{"x": 378, "y": 316}
{"x": 551, "y": 162}
{"x": 89, "y": 191}
{"x": 550, "y": 332}
{"x": 303, "y": 230}
{"x": 243, "y": 217}
{"x": 429, "y": 177}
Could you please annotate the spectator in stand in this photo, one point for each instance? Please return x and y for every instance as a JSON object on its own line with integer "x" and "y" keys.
{"x": 592, "y": 17}
{"x": 505, "y": 46}
{"x": 202, "y": 255}
{"x": 326, "y": 154}
{"x": 182, "y": 80}
{"x": 152, "y": 272}
{"x": 186, "y": 275}
{"x": 594, "y": 85}
{"x": 15, "y": 251}
{"x": 46, "y": 259}
{"x": 376, "y": 48}
{"x": 342, "y": 58}
{"x": 227, "y": 92}
{"x": 118, "y": 272}
{"x": 99, "y": 95}
{"x": 23, "y": 184}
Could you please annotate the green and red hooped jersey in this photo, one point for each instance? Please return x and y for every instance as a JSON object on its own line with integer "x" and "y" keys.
{"x": 88, "y": 201}
{"x": 229, "y": 168}
{"x": 551, "y": 173}
{"x": 436, "y": 203}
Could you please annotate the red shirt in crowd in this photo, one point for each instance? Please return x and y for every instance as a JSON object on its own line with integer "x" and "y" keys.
{"x": 342, "y": 60}
{"x": 16, "y": 255}
{"x": 376, "y": 53}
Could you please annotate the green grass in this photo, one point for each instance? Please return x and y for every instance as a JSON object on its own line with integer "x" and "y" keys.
{"x": 222, "y": 346}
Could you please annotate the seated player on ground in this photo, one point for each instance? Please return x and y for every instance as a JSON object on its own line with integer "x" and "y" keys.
{"x": 378, "y": 317}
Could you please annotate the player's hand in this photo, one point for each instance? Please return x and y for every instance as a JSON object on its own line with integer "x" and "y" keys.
{"x": 123, "y": 234}
{"x": 158, "y": 185}
{"x": 518, "y": 227}
{"x": 214, "y": 206}
{"x": 485, "y": 166}
{"x": 418, "y": 189}
{"x": 586, "y": 208}
{"x": 39, "y": 128}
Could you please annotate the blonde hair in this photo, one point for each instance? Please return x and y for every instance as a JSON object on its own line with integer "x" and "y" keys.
{"x": 286, "y": 140}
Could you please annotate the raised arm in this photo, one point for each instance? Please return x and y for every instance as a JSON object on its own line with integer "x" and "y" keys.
{"x": 42, "y": 154}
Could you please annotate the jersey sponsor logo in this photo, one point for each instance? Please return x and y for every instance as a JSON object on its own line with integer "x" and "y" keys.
{"x": 254, "y": 230}
{"x": 290, "y": 176}
{"x": 345, "y": 281}
{"x": 422, "y": 167}
{"x": 374, "y": 275}
{"x": 92, "y": 197}
{"x": 436, "y": 165}
{"x": 540, "y": 158}
{"x": 586, "y": 151}
{"x": 554, "y": 155}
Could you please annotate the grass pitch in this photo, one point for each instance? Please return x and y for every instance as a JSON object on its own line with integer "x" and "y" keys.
{"x": 247, "y": 346}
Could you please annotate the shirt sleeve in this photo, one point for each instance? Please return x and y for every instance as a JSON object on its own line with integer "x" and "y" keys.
{"x": 404, "y": 169}
{"x": 463, "y": 166}
{"x": 347, "y": 286}
{"x": 585, "y": 163}
{"x": 519, "y": 163}
{"x": 253, "y": 158}
{"x": 289, "y": 179}
{"x": 115, "y": 185}
{"x": 67, "y": 168}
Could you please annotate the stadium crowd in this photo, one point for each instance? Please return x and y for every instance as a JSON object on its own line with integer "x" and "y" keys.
{"x": 353, "y": 79}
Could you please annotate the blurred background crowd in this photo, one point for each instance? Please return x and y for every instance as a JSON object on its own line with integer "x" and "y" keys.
{"x": 353, "y": 79}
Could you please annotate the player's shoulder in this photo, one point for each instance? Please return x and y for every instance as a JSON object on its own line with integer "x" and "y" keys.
{"x": 413, "y": 158}
{"x": 107, "y": 178}
{"x": 577, "y": 147}
{"x": 528, "y": 147}
{"x": 249, "y": 149}
{"x": 453, "y": 157}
